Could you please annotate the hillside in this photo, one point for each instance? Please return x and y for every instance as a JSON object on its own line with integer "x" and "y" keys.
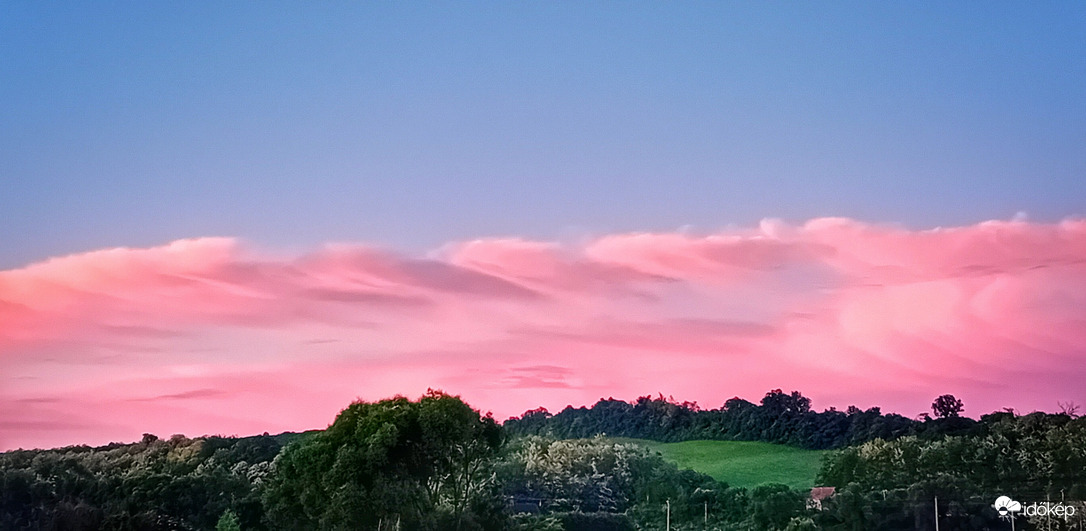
{"x": 742, "y": 463}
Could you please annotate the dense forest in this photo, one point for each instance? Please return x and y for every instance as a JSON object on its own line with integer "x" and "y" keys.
{"x": 784, "y": 418}
{"x": 437, "y": 464}
{"x": 891, "y": 484}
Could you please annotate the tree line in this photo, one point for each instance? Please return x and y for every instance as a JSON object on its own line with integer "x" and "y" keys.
{"x": 430, "y": 464}
{"x": 783, "y": 418}
{"x": 437, "y": 464}
{"x": 176, "y": 483}
{"x": 1033, "y": 458}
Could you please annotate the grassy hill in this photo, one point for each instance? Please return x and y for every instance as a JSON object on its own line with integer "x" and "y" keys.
{"x": 742, "y": 463}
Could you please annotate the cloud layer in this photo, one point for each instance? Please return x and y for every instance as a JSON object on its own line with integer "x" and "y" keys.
{"x": 210, "y": 336}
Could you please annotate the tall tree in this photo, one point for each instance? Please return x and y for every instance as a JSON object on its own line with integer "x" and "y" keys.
{"x": 946, "y": 406}
{"x": 393, "y": 463}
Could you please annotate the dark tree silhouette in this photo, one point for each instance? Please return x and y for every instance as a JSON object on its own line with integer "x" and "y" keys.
{"x": 946, "y": 406}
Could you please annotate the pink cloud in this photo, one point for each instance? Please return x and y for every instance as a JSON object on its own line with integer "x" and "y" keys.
{"x": 210, "y": 336}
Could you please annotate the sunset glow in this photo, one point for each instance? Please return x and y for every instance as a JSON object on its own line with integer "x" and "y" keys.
{"x": 212, "y": 335}
{"x": 240, "y": 218}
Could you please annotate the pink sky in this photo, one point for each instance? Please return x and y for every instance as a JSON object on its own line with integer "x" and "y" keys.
{"x": 216, "y": 336}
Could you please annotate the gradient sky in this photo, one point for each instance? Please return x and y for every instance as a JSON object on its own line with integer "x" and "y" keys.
{"x": 236, "y": 219}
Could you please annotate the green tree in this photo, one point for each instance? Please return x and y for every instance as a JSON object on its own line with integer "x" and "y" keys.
{"x": 392, "y": 463}
{"x": 228, "y": 522}
{"x": 773, "y": 506}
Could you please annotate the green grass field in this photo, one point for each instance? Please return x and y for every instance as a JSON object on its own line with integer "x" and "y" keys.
{"x": 742, "y": 463}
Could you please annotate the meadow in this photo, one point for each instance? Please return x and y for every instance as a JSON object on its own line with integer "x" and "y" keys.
{"x": 742, "y": 463}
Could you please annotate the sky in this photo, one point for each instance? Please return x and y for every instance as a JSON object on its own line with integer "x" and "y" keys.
{"x": 237, "y": 218}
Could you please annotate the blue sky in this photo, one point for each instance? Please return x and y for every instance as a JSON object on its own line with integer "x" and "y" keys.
{"x": 627, "y": 152}
{"x": 414, "y": 124}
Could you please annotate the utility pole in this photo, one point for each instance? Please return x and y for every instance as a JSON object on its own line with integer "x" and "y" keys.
{"x": 669, "y": 514}
{"x": 706, "y": 513}
{"x": 936, "y": 513}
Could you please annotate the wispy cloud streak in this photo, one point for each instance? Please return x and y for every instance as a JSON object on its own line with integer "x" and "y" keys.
{"x": 208, "y": 335}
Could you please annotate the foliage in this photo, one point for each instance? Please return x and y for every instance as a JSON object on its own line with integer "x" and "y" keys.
{"x": 578, "y": 475}
{"x": 946, "y": 406}
{"x": 437, "y": 464}
{"x": 228, "y": 522}
{"x": 774, "y": 506}
{"x": 600, "y": 483}
{"x": 178, "y": 483}
{"x": 893, "y": 484}
{"x": 393, "y": 463}
{"x": 535, "y": 522}
{"x": 782, "y": 418}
